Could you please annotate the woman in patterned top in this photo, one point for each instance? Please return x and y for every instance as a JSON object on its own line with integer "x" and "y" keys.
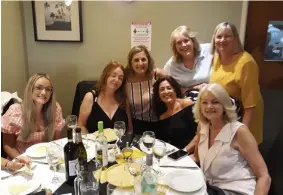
{"x": 37, "y": 119}
{"x": 141, "y": 76}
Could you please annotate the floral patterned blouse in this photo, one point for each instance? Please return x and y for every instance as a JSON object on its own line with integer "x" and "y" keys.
{"x": 12, "y": 123}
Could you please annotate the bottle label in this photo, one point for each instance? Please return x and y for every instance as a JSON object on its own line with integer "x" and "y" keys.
{"x": 104, "y": 154}
{"x": 72, "y": 169}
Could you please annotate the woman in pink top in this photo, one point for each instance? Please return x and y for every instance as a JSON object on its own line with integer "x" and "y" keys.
{"x": 227, "y": 151}
{"x": 38, "y": 119}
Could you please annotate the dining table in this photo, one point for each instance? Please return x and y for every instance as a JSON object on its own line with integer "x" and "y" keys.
{"x": 44, "y": 174}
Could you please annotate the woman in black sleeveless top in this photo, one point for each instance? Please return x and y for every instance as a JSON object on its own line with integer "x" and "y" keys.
{"x": 176, "y": 125}
{"x": 107, "y": 103}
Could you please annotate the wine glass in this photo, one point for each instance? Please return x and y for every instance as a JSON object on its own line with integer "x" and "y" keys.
{"x": 85, "y": 139}
{"x": 53, "y": 159}
{"x": 127, "y": 153}
{"x": 159, "y": 151}
{"x": 148, "y": 139}
{"x": 120, "y": 128}
{"x": 71, "y": 122}
{"x": 136, "y": 167}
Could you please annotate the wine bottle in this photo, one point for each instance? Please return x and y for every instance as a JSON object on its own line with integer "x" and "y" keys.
{"x": 70, "y": 158}
{"x": 149, "y": 178}
{"x": 82, "y": 155}
{"x": 101, "y": 147}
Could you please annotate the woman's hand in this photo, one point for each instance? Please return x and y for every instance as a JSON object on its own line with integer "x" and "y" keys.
{"x": 23, "y": 159}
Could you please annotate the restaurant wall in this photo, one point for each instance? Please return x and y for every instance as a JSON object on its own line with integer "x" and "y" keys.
{"x": 13, "y": 56}
{"x": 106, "y": 31}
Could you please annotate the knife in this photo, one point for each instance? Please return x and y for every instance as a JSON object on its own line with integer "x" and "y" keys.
{"x": 178, "y": 167}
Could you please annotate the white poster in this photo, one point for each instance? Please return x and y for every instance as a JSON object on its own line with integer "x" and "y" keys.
{"x": 141, "y": 34}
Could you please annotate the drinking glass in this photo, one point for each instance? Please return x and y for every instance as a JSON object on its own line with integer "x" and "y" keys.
{"x": 127, "y": 153}
{"x": 53, "y": 159}
{"x": 136, "y": 167}
{"x": 85, "y": 139}
{"x": 148, "y": 139}
{"x": 120, "y": 128}
{"x": 159, "y": 151}
{"x": 110, "y": 189}
{"x": 71, "y": 122}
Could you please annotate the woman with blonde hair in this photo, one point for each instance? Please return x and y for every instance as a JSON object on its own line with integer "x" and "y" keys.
{"x": 191, "y": 62}
{"x": 141, "y": 75}
{"x": 226, "y": 149}
{"x": 38, "y": 119}
{"x": 107, "y": 102}
{"x": 237, "y": 71}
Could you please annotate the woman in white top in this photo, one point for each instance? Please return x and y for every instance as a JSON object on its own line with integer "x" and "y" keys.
{"x": 191, "y": 62}
{"x": 227, "y": 151}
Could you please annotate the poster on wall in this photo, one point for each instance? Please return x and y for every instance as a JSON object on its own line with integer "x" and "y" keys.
{"x": 274, "y": 41}
{"x": 57, "y": 21}
{"x": 141, "y": 34}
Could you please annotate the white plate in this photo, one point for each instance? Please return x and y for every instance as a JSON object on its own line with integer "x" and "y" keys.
{"x": 37, "y": 150}
{"x": 184, "y": 181}
{"x": 18, "y": 180}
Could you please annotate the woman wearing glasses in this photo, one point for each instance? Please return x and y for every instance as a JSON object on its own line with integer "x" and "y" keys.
{"x": 37, "y": 119}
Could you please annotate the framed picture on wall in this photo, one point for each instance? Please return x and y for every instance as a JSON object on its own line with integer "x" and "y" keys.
{"x": 54, "y": 21}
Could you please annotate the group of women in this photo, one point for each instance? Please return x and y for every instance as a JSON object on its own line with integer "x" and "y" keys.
{"x": 152, "y": 99}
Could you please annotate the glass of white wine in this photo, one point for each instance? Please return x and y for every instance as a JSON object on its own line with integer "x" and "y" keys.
{"x": 71, "y": 122}
{"x": 127, "y": 153}
{"x": 148, "y": 139}
{"x": 159, "y": 151}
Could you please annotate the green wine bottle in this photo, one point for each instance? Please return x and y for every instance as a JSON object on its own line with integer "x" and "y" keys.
{"x": 82, "y": 155}
{"x": 101, "y": 147}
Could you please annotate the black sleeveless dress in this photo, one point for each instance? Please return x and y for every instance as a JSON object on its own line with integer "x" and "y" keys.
{"x": 97, "y": 114}
{"x": 179, "y": 129}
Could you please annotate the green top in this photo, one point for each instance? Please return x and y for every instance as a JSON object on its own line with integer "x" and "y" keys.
{"x": 100, "y": 126}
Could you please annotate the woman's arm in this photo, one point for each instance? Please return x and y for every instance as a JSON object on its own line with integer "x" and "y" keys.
{"x": 9, "y": 144}
{"x": 14, "y": 165}
{"x": 85, "y": 111}
{"x": 160, "y": 73}
{"x": 248, "y": 114}
{"x": 247, "y": 145}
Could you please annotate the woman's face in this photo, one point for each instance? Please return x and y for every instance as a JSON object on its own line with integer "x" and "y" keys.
{"x": 167, "y": 93}
{"x": 42, "y": 91}
{"x": 184, "y": 46}
{"x": 211, "y": 107}
{"x": 224, "y": 41}
{"x": 115, "y": 79}
{"x": 140, "y": 63}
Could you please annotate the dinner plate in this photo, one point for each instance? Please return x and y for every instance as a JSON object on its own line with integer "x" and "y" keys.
{"x": 37, "y": 150}
{"x": 184, "y": 181}
{"x": 110, "y": 135}
{"x": 19, "y": 186}
{"x": 119, "y": 175}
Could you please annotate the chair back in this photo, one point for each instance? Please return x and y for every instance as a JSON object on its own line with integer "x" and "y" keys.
{"x": 82, "y": 88}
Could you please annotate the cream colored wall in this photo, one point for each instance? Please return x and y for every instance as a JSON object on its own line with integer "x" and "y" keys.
{"x": 13, "y": 59}
{"x": 106, "y": 28}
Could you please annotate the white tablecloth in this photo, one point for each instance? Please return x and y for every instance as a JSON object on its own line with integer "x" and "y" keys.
{"x": 43, "y": 174}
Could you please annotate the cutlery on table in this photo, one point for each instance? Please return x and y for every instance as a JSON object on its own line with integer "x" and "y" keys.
{"x": 179, "y": 167}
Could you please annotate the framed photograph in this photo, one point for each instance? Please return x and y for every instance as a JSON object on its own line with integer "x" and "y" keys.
{"x": 274, "y": 41}
{"x": 57, "y": 22}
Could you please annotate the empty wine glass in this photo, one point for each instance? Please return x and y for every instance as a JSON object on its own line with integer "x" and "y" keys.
{"x": 71, "y": 122}
{"x": 159, "y": 151}
{"x": 53, "y": 159}
{"x": 148, "y": 139}
{"x": 120, "y": 128}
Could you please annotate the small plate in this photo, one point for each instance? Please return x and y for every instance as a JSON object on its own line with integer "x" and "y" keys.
{"x": 10, "y": 185}
{"x": 119, "y": 175}
{"x": 184, "y": 181}
{"x": 110, "y": 135}
{"x": 37, "y": 150}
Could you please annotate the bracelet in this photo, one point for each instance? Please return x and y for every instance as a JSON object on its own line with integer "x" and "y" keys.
{"x": 6, "y": 166}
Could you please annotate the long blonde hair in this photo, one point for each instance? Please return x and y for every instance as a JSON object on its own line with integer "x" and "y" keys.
{"x": 29, "y": 114}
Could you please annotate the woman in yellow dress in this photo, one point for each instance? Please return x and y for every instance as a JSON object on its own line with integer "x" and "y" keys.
{"x": 237, "y": 71}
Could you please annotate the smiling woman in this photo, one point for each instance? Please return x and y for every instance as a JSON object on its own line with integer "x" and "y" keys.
{"x": 37, "y": 119}
{"x": 176, "y": 125}
{"x": 107, "y": 101}
{"x": 141, "y": 75}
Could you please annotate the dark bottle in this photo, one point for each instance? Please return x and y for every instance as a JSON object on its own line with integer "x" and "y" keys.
{"x": 82, "y": 155}
{"x": 70, "y": 158}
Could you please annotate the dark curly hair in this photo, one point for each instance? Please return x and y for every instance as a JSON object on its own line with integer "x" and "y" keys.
{"x": 158, "y": 105}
